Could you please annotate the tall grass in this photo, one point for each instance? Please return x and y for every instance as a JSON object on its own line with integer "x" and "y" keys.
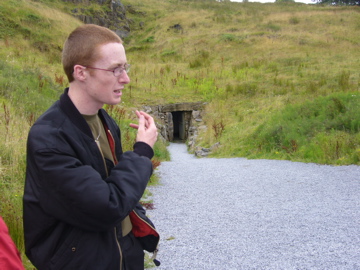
{"x": 13, "y": 131}
{"x": 325, "y": 130}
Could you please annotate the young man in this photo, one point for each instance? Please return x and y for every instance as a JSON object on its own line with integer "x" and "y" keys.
{"x": 81, "y": 199}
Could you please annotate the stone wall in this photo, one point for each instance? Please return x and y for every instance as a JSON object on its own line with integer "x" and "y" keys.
{"x": 191, "y": 114}
{"x": 192, "y": 124}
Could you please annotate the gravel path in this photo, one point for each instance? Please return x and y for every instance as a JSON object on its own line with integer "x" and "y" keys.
{"x": 256, "y": 214}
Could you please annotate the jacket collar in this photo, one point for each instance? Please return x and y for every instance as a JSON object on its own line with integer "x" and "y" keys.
{"x": 73, "y": 114}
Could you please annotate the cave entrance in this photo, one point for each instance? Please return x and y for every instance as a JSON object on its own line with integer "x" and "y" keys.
{"x": 178, "y": 118}
{"x": 177, "y": 121}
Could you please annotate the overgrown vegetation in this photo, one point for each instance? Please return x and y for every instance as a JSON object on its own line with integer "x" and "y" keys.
{"x": 324, "y": 129}
{"x": 280, "y": 80}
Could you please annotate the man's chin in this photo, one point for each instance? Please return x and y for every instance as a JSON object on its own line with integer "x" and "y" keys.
{"x": 115, "y": 102}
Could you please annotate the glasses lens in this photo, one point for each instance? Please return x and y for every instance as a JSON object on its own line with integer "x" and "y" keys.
{"x": 119, "y": 70}
{"x": 127, "y": 68}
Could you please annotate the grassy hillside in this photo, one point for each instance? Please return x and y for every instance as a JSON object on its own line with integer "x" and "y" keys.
{"x": 280, "y": 80}
{"x": 252, "y": 62}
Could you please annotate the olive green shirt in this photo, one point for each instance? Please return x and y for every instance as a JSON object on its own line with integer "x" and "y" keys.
{"x": 99, "y": 134}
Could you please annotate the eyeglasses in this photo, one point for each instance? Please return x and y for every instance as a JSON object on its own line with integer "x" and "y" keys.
{"x": 117, "y": 71}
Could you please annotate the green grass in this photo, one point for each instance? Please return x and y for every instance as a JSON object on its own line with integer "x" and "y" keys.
{"x": 281, "y": 81}
{"x": 325, "y": 129}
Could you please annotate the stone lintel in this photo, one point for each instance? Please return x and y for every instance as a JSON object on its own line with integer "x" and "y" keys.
{"x": 177, "y": 107}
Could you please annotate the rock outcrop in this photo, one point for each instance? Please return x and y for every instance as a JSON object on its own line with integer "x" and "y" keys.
{"x": 111, "y": 14}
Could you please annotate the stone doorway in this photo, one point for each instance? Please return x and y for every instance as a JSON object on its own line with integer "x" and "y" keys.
{"x": 177, "y": 122}
{"x": 178, "y": 126}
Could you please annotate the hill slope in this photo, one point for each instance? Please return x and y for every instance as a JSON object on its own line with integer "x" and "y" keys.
{"x": 249, "y": 61}
{"x": 252, "y": 62}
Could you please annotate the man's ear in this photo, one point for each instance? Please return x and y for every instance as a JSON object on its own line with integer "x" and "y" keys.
{"x": 79, "y": 73}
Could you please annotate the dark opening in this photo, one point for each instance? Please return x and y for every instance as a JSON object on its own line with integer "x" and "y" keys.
{"x": 177, "y": 120}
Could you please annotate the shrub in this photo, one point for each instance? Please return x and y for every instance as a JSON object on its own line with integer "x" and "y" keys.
{"x": 344, "y": 80}
{"x": 273, "y": 27}
{"x": 246, "y": 89}
{"x": 294, "y": 20}
{"x": 201, "y": 59}
{"x": 228, "y": 37}
{"x": 150, "y": 39}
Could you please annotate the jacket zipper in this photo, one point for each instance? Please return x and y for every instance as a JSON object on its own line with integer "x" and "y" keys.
{"x": 107, "y": 173}
{"x": 118, "y": 244}
{"x": 103, "y": 158}
{"x": 112, "y": 146}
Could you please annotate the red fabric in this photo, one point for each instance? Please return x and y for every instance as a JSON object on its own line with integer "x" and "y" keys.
{"x": 9, "y": 255}
{"x": 111, "y": 142}
{"x": 140, "y": 227}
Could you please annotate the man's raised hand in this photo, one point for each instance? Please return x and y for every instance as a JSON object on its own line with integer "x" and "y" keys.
{"x": 147, "y": 130}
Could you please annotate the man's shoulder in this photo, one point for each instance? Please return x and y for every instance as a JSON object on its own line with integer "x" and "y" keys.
{"x": 51, "y": 117}
{"x": 51, "y": 130}
{"x": 52, "y": 113}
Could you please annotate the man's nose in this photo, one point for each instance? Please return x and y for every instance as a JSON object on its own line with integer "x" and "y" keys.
{"x": 124, "y": 78}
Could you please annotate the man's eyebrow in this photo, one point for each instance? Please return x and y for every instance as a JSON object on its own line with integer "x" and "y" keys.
{"x": 118, "y": 65}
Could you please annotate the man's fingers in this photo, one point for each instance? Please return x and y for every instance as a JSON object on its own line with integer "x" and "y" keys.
{"x": 149, "y": 119}
{"x": 135, "y": 126}
{"x": 147, "y": 130}
{"x": 141, "y": 122}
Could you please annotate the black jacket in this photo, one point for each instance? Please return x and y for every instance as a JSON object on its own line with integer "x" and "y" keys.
{"x": 73, "y": 204}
